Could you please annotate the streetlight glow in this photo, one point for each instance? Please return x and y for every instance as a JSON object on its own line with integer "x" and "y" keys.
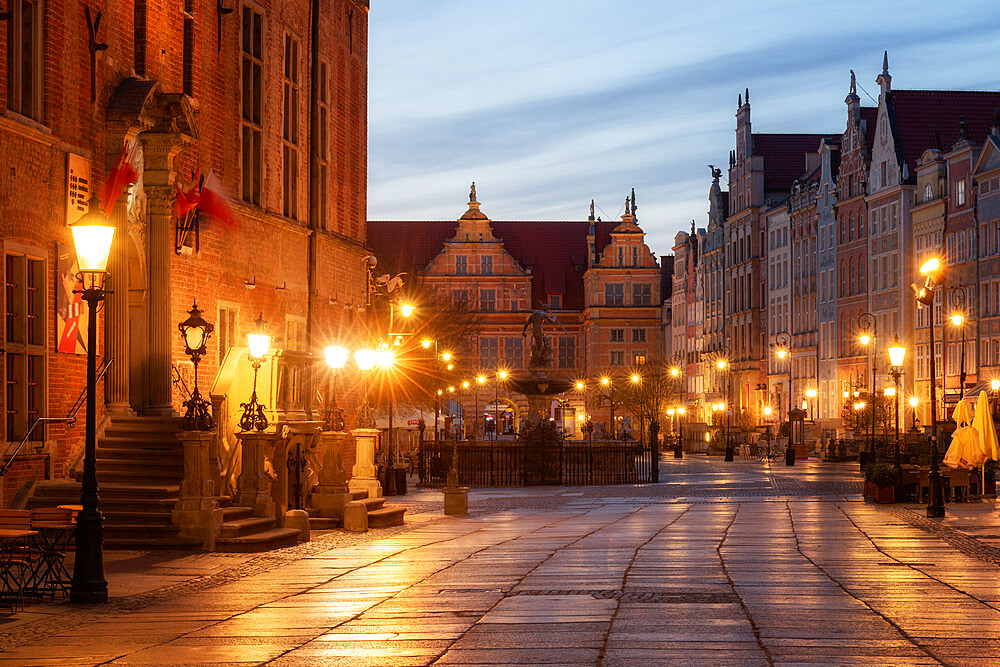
{"x": 864, "y": 339}
{"x": 502, "y": 374}
{"x": 675, "y": 371}
{"x": 811, "y": 393}
{"x": 781, "y": 352}
{"x": 914, "y": 401}
{"x": 635, "y": 379}
{"x": 336, "y": 356}
{"x": 957, "y": 319}
{"x": 897, "y": 353}
{"x": 481, "y": 379}
{"x": 721, "y": 363}
{"x": 995, "y": 385}
{"x": 446, "y": 356}
{"x": 406, "y": 309}
{"x": 605, "y": 381}
{"x": 365, "y": 359}
{"x": 579, "y": 385}
{"x": 767, "y": 410}
{"x": 930, "y": 266}
{"x": 426, "y": 343}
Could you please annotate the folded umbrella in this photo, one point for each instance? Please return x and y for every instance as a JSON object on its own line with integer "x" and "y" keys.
{"x": 987, "y": 432}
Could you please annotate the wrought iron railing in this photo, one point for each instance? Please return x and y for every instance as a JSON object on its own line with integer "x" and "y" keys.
{"x": 508, "y": 464}
{"x": 70, "y": 418}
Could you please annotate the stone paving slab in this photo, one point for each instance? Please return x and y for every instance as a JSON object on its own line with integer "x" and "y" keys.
{"x": 724, "y": 564}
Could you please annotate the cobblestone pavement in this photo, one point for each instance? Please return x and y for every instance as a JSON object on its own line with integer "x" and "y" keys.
{"x": 740, "y": 563}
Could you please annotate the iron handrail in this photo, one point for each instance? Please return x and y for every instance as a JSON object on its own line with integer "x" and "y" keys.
{"x": 68, "y": 419}
{"x": 179, "y": 381}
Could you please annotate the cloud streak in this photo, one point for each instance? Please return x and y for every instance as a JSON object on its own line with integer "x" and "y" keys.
{"x": 545, "y": 118}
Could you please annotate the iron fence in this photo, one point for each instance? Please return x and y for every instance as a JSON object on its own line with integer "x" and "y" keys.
{"x": 506, "y": 464}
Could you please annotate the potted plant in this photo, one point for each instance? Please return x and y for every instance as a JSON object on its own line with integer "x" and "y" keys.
{"x": 882, "y": 478}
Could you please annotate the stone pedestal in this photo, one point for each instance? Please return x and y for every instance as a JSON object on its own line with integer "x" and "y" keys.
{"x": 253, "y": 486}
{"x": 364, "y": 476}
{"x": 299, "y": 520}
{"x": 331, "y": 493}
{"x": 197, "y": 512}
{"x": 356, "y": 517}
{"x": 456, "y": 500}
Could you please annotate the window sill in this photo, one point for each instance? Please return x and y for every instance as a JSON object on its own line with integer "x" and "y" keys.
{"x": 32, "y": 129}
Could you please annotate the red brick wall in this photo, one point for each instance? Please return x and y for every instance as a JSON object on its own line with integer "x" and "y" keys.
{"x": 271, "y": 249}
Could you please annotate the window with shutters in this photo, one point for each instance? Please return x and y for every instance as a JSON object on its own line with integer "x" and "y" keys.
{"x": 24, "y": 58}
{"x": 638, "y": 335}
{"x": 487, "y": 300}
{"x": 252, "y": 102}
{"x": 642, "y": 294}
{"x": 24, "y": 367}
{"x": 461, "y": 265}
{"x": 617, "y": 335}
{"x": 290, "y": 131}
{"x": 486, "y": 265}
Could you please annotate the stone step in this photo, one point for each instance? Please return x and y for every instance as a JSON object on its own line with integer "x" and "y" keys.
{"x": 323, "y": 523}
{"x": 372, "y": 504}
{"x": 108, "y": 490}
{"x": 112, "y": 465}
{"x": 391, "y": 515}
{"x": 275, "y": 538}
{"x": 234, "y": 512}
{"x": 133, "y": 543}
{"x": 135, "y": 518}
{"x": 246, "y": 526}
{"x": 359, "y": 495}
{"x": 127, "y": 447}
{"x": 146, "y": 424}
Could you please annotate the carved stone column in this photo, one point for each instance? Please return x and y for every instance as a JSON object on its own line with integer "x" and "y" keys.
{"x": 116, "y": 329}
{"x": 331, "y": 493}
{"x": 159, "y": 181}
{"x": 364, "y": 476}
{"x": 197, "y": 512}
{"x": 253, "y": 486}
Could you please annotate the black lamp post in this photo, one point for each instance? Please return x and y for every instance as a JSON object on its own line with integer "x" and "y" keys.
{"x": 195, "y": 332}
{"x": 958, "y": 320}
{"x": 259, "y": 342}
{"x": 896, "y": 355}
{"x": 675, "y": 375}
{"x": 92, "y": 236}
{"x": 501, "y": 376}
{"x": 925, "y": 296}
{"x": 783, "y": 341}
{"x": 333, "y": 417}
{"x": 869, "y": 331}
{"x": 722, "y": 363}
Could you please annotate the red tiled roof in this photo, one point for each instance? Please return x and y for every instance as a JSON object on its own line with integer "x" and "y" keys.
{"x": 929, "y": 119}
{"x": 784, "y": 156}
{"x": 870, "y": 116}
{"x": 552, "y": 249}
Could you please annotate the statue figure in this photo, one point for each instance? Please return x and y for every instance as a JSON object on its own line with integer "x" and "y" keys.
{"x": 716, "y": 173}
{"x": 472, "y": 192}
{"x": 541, "y": 345}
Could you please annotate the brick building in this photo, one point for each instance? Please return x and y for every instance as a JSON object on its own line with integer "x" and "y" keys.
{"x": 271, "y": 97}
{"x": 598, "y": 279}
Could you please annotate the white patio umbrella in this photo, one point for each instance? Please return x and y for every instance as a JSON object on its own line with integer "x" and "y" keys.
{"x": 986, "y": 431}
{"x": 965, "y": 450}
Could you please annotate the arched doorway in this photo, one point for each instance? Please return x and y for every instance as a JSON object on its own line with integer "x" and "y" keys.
{"x": 501, "y": 419}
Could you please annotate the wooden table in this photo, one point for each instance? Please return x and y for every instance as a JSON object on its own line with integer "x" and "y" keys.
{"x": 48, "y": 573}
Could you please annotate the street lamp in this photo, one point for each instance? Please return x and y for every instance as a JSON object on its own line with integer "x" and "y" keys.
{"x": 336, "y": 357}
{"x": 259, "y": 343}
{"x": 195, "y": 332}
{"x": 722, "y": 364}
{"x": 995, "y": 386}
{"x": 92, "y": 236}
{"x": 869, "y": 330}
{"x": 480, "y": 421}
{"x": 959, "y": 321}
{"x": 783, "y": 341}
{"x": 914, "y": 402}
{"x": 501, "y": 376}
{"x": 896, "y": 354}
{"x": 811, "y": 393}
{"x": 931, "y": 270}
{"x": 606, "y": 382}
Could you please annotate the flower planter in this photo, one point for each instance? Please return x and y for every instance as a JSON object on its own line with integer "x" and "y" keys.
{"x": 869, "y": 490}
{"x": 885, "y": 495}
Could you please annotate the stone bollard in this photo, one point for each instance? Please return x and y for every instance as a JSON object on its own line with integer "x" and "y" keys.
{"x": 299, "y": 520}
{"x": 356, "y": 517}
{"x": 456, "y": 498}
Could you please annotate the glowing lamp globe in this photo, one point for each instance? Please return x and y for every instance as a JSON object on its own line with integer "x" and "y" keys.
{"x": 767, "y": 411}
{"x": 384, "y": 357}
{"x": 579, "y": 384}
{"x": 896, "y": 353}
{"x": 721, "y": 363}
{"x": 257, "y": 340}
{"x": 811, "y": 393}
{"x": 930, "y": 266}
{"x": 914, "y": 401}
{"x": 864, "y": 339}
{"x": 365, "y": 359}
{"x": 681, "y": 411}
{"x": 406, "y": 309}
{"x": 675, "y": 371}
{"x": 957, "y": 319}
{"x": 995, "y": 385}
{"x": 782, "y": 353}
{"x": 336, "y": 356}
{"x": 195, "y": 331}
{"x": 92, "y": 237}
{"x": 502, "y": 375}
{"x": 465, "y": 384}
{"x": 426, "y": 343}
{"x": 446, "y": 356}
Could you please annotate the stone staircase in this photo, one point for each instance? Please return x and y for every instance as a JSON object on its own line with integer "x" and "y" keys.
{"x": 380, "y": 515}
{"x": 140, "y": 465}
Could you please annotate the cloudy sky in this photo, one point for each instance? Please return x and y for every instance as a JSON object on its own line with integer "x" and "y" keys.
{"x": 547, "y": 104}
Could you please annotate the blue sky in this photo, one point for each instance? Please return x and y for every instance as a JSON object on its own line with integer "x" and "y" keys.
{"x": 548, "y": 104}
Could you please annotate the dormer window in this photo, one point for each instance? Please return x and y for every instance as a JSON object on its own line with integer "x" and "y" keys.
{"x": 960, "y": 192}
{"x": 928, "y": 192}
{"x": 621, "y": 256}
{"x": 635, "y": 256}
{"x": 461, "y": 265}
